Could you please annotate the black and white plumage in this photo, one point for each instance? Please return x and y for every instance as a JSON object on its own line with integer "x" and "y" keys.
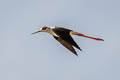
{"x": 63, "y": 35}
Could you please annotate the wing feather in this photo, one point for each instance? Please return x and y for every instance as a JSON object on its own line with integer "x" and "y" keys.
{"x": 66, "y": 44}
{"x": 65, "y": 35}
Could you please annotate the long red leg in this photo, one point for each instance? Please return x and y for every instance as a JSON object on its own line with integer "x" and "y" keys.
{"x": 99, "y": 39}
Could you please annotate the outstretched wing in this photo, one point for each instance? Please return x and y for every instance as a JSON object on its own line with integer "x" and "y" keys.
{"x": 65, "y": 35}
{"x": 66, "y": 44}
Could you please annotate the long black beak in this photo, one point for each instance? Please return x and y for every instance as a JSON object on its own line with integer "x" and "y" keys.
{"x": 36, "y": 32}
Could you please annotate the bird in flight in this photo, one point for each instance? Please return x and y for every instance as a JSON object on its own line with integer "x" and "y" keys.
{"x": 63, "y": 35}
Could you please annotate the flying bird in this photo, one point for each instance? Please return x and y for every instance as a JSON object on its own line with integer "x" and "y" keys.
{"x": 63, "y": 35}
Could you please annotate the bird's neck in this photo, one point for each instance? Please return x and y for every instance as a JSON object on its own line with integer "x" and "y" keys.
{"x": 52, "y": 33}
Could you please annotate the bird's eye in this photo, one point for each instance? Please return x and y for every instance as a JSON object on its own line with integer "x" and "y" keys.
{"x": 44, "y": 28}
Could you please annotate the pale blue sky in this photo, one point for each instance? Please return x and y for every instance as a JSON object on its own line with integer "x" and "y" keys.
{"x": 41, "y": 57}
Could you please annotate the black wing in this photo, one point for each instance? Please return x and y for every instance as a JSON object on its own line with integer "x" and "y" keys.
{"x": 65, "y": 35}
{"x": 66, "y": 44}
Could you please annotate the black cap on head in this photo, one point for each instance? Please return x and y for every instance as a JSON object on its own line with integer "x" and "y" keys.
{"x": 44, "y": 28}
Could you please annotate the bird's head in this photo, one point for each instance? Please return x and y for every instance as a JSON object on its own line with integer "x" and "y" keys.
{"x": 43, "y": 29}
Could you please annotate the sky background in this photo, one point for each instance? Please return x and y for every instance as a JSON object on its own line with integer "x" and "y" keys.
{"x": 40, "y": 57}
